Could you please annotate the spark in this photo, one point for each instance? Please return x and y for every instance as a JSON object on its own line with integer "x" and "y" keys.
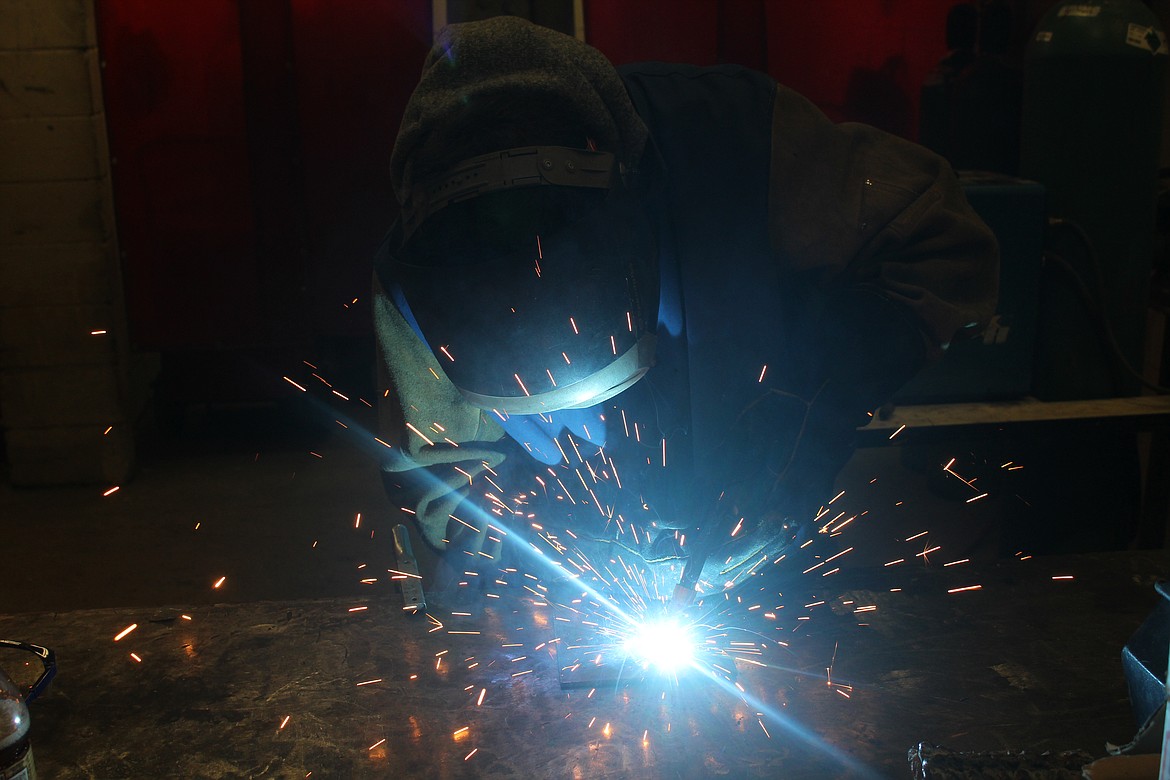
{"x": 420, "y": 434}
{"x": 219, "y": 582}
{"x": 107, "y": 430}
{"x": 382, "y": 741}
{"x": 97, "y": 333}
{"x": 966, "y": 588}
{"x": 448, "y": 354}
{"x": 125, "y": 631}
{"x": 482, "y": 693}
{"x": 763, "y": 371}
{"x": 900, "y": 429}
{"x": 357, "y": 523}
{"x": 838, "y": 555}
{"x": 112, "y": 491}
{"x": 573, "y": 322}
{"x": 472, "y": 753}
{"x": 136, "y": 657}
{"x": 1063, "y": 577}
{"x": 521, "y": 383}
{"x": 284, "y": 722}
{"x": 294, "y": 384}
{"x": 369, "y": 682}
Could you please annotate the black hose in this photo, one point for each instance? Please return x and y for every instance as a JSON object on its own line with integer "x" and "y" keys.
{"x": 1096, "y": 303}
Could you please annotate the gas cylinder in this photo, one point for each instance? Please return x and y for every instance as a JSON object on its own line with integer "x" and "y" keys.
{"x": 16, "y": 757}
{"x": 1091, "y": 134}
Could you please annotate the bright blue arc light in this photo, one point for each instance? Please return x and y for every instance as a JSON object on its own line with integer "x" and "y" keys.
{"x": 663, "y": 644}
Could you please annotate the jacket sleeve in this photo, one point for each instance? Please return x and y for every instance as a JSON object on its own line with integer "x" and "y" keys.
{"x": 439, "y": 444}
{"x": 860, "y": 210}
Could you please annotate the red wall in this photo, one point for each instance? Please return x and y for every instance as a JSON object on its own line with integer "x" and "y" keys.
{"x": 858, "y": 61}
{"x": 175, "y": 107}
{"x": 883, "y": 49}
{"x": 252, "y": 143}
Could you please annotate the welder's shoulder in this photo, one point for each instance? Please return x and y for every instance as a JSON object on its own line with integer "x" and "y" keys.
{"x": 714, "y": 105}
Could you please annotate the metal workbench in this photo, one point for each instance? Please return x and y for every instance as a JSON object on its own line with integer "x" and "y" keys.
{"x": 327, "y": 689}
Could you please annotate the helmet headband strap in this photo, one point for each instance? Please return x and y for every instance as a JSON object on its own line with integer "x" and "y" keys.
{"x": 526, "y": 166}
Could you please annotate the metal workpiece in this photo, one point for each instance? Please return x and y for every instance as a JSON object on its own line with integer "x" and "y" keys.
{"x": 339, "y": 689}
{"x": 859, "y": 667}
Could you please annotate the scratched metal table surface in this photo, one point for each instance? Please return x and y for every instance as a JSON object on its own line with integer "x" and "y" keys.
{"x": 321, "y": 689}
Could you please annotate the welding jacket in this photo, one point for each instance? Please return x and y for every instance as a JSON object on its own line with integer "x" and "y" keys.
{"x": 809, "y": 269}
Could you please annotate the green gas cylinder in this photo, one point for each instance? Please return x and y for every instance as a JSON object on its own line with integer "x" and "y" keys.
{"x": 1093, "y": 86}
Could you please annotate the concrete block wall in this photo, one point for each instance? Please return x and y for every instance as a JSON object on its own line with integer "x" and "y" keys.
{"x": 64, "y": 390}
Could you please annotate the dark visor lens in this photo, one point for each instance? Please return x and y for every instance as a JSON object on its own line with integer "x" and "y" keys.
{"x": 523, "y": 292}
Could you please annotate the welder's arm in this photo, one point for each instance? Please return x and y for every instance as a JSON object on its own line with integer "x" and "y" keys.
{"x": 859, "y": 210}
{"x": 896, "y": 264}
{"x": 437, "y": 473}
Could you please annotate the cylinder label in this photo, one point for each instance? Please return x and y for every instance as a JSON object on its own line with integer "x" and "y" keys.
{"x": 1148, "y": 38}
{"x": 1079, "y": 9}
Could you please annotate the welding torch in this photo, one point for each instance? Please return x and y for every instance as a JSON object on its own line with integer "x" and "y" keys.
{"x": 704, "y": 544}
{"x": 684, "y": 591}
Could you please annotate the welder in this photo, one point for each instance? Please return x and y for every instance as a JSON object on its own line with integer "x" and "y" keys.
{"x": 689, "y": 268}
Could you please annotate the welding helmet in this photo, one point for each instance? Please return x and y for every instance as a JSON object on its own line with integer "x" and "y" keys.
{"x": 532, "y": 275}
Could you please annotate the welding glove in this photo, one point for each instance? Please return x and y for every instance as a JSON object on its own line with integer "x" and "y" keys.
{"x": 791, "y": 451}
